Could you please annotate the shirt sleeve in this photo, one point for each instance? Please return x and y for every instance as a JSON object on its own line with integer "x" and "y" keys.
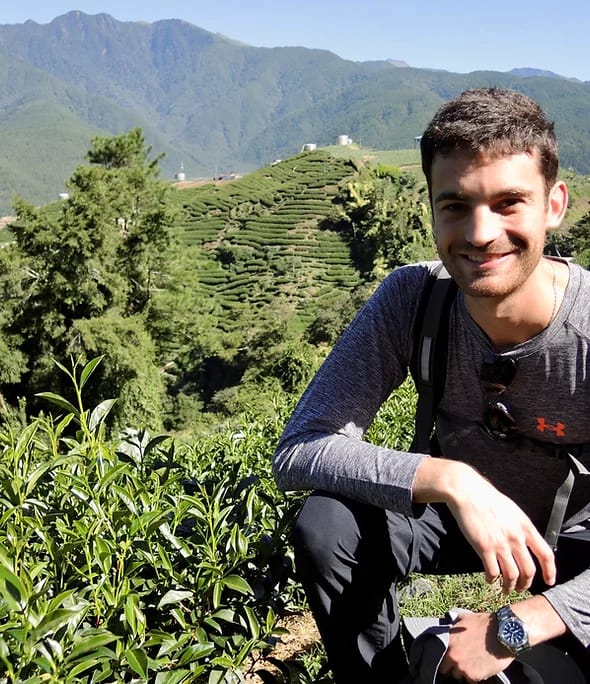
{"x": 565, "y": 599}
{"x": 322, "y": 446}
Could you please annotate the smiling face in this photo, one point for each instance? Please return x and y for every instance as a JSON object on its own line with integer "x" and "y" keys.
{"x": 490, "y": 216}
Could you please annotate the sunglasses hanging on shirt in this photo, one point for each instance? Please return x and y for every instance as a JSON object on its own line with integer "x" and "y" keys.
{"x": 495, "y": 377}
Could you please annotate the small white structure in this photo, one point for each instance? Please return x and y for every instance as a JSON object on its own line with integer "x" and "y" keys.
{"x": 181, "y": 175}
{"x": 309, "y": 147}
{"x": 64, "y": 195}
{"x": 343, "y": 140}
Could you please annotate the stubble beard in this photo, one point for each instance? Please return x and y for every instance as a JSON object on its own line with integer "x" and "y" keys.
{"x": 490, "y": 285}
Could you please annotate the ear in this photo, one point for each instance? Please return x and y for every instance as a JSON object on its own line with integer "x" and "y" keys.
{"x": 556, "y": 205}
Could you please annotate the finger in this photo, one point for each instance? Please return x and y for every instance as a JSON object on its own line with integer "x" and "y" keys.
{"x": 510, "y": 573}
{"x": 526, "y": 568}
{"x": 545, "y": 556}
{"x": 490, "y": 567}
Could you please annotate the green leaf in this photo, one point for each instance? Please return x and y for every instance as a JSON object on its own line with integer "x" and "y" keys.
{"x": 15, "y": 592}
{"x": 237, "y": 583}
{"x": 90, "y": 644}
{"x": 53, "y": 621}
{"x": 59, "y": 401}
{"x": 89, "y": 369}
{"x": 196, "y": 652}
{"x": 175, "y": 677}
{"x": 253, "y": 624}
{"x": 138, "y": 661}
{"x": 174, "y": 596}
{"x": 126, "y": 498}
{"x": 100, "y": 413}
{"x": 153, "y": 443}
{"x": 113, "y": 473}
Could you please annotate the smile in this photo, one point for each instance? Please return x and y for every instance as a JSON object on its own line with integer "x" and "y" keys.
{"x": 485, "y": 258}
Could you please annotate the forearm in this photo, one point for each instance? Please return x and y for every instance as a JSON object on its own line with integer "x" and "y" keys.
{"x": 541, "y": 619}
{"x": 348, "y": 466}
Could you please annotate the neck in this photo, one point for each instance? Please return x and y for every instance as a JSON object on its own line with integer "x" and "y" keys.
{"x": 519, "y": 316}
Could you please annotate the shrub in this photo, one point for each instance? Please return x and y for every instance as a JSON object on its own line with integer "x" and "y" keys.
{"x": 134, "y": 560}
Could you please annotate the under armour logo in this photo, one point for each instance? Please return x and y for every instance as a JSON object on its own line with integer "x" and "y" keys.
{"x": 558, "y": 428}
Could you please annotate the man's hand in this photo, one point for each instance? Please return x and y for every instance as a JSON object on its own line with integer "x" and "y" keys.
{"x": 474, "y": 652}
{"x": 501, "y": 534}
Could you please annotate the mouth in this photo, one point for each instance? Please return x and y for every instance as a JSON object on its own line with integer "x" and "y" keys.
{"x": 486, "y": 259}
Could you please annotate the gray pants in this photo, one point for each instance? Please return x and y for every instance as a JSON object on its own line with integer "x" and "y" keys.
{"x": 350, "y": 557}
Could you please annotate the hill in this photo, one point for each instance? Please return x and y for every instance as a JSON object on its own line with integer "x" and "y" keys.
{"x": 216, "y": 105}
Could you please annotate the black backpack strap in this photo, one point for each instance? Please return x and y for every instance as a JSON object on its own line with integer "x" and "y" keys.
{"x": 562, "y": 497}
{"x": 429, "y": 359}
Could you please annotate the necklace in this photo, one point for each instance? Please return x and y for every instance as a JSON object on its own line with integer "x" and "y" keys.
{"x": 554, "y": 286}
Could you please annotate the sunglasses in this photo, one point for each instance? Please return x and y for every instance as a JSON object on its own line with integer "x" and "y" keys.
{"x": 495, "y": 377}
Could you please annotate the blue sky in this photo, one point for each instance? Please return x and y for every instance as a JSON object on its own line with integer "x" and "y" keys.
{"x": 447, "y": 34}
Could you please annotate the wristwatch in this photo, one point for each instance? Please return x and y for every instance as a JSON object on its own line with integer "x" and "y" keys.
{"x": 512, "y": 632}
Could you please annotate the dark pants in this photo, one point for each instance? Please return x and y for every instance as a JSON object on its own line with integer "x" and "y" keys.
{"x": 350, "y": 557}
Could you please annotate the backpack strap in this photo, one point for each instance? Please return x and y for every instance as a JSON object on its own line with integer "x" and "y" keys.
{"x": 562, "y": 497}
{"x": 429, "y": 359}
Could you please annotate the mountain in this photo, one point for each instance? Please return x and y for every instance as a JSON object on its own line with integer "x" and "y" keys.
{"x": 215, "y": 105}
{"x": 528, "y": 72}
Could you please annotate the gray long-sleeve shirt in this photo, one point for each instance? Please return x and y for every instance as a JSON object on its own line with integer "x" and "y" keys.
{"x": 323, "y": 448}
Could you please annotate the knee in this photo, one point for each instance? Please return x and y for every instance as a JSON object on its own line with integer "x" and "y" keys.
{"x": 326, "y": 533}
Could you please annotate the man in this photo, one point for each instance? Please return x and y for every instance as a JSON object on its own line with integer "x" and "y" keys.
{"x": 516, "y": 392}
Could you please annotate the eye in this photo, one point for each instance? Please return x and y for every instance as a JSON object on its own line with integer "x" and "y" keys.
{"x": 507, "y": 204}
{"x": 452, "y": 207}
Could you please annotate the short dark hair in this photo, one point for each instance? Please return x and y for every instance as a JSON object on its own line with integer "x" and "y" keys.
{"x": 492, "y": 121}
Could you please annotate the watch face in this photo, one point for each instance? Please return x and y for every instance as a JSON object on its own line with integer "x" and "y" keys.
{"x": 513, "y": 633}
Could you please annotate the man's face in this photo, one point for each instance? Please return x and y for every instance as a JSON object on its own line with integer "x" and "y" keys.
{"x": 490, "y": 216}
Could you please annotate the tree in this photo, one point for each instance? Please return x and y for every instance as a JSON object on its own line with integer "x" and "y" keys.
{"x": 384, "y": 212}
{"x": 101, "y": 251}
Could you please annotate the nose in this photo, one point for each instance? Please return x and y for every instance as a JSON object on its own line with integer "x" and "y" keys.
{"x": 482, "y": 226}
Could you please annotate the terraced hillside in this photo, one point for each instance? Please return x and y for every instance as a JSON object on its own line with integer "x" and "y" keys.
{"x": 260, "y": 239}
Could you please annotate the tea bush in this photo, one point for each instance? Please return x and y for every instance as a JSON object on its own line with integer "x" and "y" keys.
{"x": 137, "y": 560}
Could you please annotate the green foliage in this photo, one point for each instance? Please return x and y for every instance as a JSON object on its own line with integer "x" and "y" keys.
{"x": 138, "y": 558}
{"x": 393, "y": 426}
{"x": 579, "y": 237}
{"x": 385, "y": 215}
{"x": 84, "y": 267}
{"x": 129, "y": 370}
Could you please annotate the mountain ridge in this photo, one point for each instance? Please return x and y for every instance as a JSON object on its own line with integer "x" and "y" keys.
{"x": 214, "y": 104}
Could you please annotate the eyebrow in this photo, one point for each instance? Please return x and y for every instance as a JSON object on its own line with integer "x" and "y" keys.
{"x": 461, "y": 196}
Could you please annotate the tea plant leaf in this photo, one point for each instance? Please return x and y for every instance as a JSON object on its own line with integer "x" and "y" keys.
{"x": 53, "y": 622}
{"x": 175, "y": 541}
{"x": 25, "y": 439}
{"x": 89, "y": 369}
{"x": 195, "y": 652}
{"x": 175, "y": 676}
{"x": 237, "y": 583}
{"x": 153, "y": 443}
{"x": 99, "y": 414}
{"x": 225, "y": 614}
{"x": 36, "y": 475}
{"x": 113, "y": 473}
{"x": 174, "y": 596}
{"x": 125, "y": 498}
{"x": 91, "y": 643}
{"x": 138, "y": 661}
{"x": 90, "y": 663}
{"x": 59, "y": 401}
{"x": 13, "y": 590}
{"x": 253, "y": 624}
